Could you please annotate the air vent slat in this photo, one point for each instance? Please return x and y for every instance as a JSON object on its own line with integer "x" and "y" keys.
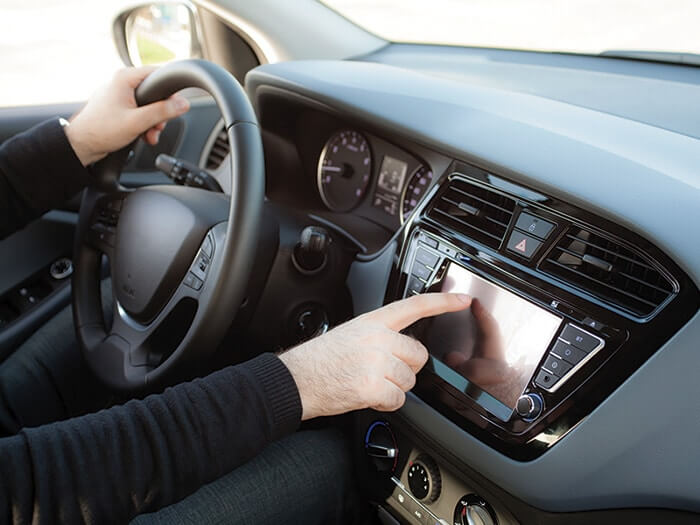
{"x": 609, "y": 270}
{"x": 474, "y": 211}
{"x": 602, "y": 283}
{"x": 612, "y": 253}
{"x": 481, "y": 200}
{"x": 218, "y": 151}
{"x": 452, "y": 217}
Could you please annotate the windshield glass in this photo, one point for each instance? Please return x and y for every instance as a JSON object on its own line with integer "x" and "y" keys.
{"x": 579, "y": 26}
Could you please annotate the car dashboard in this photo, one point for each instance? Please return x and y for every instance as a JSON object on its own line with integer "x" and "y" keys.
{"x": 580, "y": 215}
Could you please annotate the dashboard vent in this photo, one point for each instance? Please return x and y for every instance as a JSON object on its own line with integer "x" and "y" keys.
{"x": 474, "y": 211}
{"x": 219, "y": 149}
{"x": 609, "y": 271}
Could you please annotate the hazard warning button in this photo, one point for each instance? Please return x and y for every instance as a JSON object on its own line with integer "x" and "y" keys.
{"x": 523, "y": 244}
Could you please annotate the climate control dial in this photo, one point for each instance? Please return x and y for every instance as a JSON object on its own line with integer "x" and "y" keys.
{"x": 424, "y": 479}
{"x": 472, "y": 510}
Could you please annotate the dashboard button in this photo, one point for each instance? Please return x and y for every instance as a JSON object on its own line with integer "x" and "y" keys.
{"x": 523, "y": 244}
{"x": 415, "y": 285}
{"x": 427, "y": 258}
{"x": 568, "y": 353}
{"x": 428, "y": 240}
{"x": 534, "y": 225}
{"x": 546, "y": 380}
{"x": 421, "y": 271}
{"x": 557, "y": 366}
{"x": 579, "y": 338}
{"x": 592, "y": 323}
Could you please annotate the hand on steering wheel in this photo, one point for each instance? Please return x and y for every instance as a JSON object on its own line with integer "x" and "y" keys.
{"x": 116, "y": 103}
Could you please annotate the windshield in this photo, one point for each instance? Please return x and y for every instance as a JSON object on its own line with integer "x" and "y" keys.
{"x": 578, "y": 26}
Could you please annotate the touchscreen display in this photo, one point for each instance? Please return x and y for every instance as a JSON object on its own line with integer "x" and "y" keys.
{"x": 490, "y": 350}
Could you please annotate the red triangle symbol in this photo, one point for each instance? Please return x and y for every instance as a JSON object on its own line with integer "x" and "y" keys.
{"x": 522, "y": 246}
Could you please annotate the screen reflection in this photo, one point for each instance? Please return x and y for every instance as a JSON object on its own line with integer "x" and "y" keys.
{"x": 496, "y": 344}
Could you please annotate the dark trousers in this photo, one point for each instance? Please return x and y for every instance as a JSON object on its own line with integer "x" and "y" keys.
{"x": 305, "y": 478}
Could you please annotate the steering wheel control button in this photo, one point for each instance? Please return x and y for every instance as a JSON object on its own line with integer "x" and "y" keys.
{"x": 534, "y": 225}
{"x": 200, "y": 266}
{"x": 208, "y": 247}
{"x": 557, "y": 366}
{"x": 523, "y": 244}
{"x": 193, "y": 281}
{"x": 529, "y": 406}
{"x": 427, "y": 258}
{"x": 580, "y": 339}
{"x": 568, "y": 353}
{"x": 546, "y": 379}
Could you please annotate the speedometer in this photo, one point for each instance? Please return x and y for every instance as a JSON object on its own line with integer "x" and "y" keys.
{"x": 417, "y": 186}
{"x": 344, "y": 170}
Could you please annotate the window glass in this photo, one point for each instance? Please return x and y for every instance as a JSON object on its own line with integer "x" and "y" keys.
{"x": 56, "y": 50}
{"x": 581, "y": 26}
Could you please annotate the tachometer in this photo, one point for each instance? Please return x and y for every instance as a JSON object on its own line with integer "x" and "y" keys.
{"x": 417, "y": 186}
{"x": 344, "y": 170}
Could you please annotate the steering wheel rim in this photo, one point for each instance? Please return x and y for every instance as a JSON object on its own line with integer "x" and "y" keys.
{"x": 140, "y": 230}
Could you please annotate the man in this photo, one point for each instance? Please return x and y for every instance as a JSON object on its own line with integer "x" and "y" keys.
{"x": 115, "y": 464}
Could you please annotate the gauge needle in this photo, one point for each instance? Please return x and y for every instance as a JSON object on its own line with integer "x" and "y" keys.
{"x": 331, "y": 168}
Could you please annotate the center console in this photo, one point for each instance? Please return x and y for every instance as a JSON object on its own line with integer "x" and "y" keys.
{"x": 565, "y": 306}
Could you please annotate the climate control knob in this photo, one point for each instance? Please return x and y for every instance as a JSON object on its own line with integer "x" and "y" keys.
{"x": 424, "y": 479}
{"x": 472, "y": 510}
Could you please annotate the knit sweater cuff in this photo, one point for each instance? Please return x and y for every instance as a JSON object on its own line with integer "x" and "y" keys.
{"x": 281, "y": 391}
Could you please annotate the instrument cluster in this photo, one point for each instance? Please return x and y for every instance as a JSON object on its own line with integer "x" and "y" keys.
{"x": 356, "y": 169}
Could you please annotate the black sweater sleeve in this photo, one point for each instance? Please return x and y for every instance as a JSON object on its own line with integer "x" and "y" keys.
{"x": 38, "y": 171}
{"x": 110, "y": 466}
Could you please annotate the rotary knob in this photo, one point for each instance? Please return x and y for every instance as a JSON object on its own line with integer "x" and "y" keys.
{"x": 472, "y": 510}
{"x": 529, "y": 406}
{"x": 424, "y": 479}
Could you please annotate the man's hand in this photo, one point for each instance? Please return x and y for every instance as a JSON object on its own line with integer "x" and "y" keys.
{"x": 111, "y": 119}
{"x": 366, "y": 362}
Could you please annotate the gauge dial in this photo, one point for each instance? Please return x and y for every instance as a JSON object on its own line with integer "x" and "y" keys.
{"x": 414, "y": 191}
{"x": 344, "y": 170}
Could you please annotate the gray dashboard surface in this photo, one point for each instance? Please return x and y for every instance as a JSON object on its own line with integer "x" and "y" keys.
{"x": 637, "y": 449}
{"x": 641, "y": 176}
{"x": 662, "y": 95}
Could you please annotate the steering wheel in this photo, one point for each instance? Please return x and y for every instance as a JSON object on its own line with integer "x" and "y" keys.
{"x": 180, "y": 257}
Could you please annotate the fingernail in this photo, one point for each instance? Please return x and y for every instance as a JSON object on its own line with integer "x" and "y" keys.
{"x": 156, "y": 137}
{"x": 464, "y": 297}
{"x": 181, "y": 103}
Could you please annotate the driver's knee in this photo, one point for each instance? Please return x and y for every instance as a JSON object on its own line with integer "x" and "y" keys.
{"x": 46, "y": 378}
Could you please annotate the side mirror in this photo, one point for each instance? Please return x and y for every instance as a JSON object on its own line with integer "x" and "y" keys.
{"x": 157, "y": 33}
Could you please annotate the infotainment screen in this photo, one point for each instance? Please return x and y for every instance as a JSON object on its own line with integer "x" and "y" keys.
{"x": 490, "y": 350}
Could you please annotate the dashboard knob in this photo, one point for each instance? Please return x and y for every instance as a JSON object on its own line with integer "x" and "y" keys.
{"x": 472, "y": 510}
{"x": 424, "y": 479}
{"x": 311, "y": 252}
{"x": 529, "y": 406}
{"x": 381, "y": 448}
